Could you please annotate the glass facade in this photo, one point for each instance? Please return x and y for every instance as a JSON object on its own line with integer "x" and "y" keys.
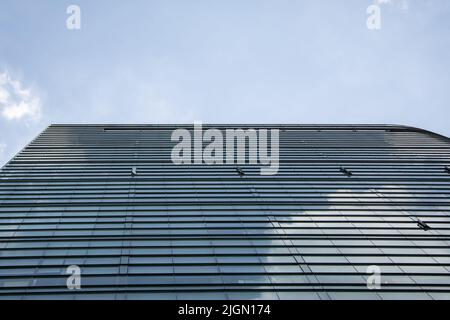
{"x": 346, "y": 198}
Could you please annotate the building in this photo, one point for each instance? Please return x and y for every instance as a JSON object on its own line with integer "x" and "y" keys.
{"x": 355, "y": 211}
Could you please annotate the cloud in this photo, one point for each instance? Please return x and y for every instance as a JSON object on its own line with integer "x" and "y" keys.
{"x": 17, "y": 102}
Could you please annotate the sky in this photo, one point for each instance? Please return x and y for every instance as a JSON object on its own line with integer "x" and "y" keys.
{"x": 222, "y": 61}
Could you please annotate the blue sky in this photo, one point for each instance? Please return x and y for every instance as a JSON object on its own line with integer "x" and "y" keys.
{"x": 251, "y": 61}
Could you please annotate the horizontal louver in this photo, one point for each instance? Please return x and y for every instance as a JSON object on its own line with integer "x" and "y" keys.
{"x": 109, "y": 199}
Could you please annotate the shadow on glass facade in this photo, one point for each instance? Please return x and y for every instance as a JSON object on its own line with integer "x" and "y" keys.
{"x": 107, "y": 198}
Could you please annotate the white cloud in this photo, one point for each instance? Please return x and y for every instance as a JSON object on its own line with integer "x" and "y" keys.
{"x": 17, "y": 102}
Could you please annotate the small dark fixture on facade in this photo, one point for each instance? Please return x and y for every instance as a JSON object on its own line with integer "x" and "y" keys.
{"x": 240, "y": 172}
{"x": 346, "y": 172}
{"x": 423, "y": 225}
{"x": 133, "y": 171}
{"x": 447, "y": 169}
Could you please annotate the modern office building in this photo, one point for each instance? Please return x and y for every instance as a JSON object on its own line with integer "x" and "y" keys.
{"x": 354, "y": 212}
